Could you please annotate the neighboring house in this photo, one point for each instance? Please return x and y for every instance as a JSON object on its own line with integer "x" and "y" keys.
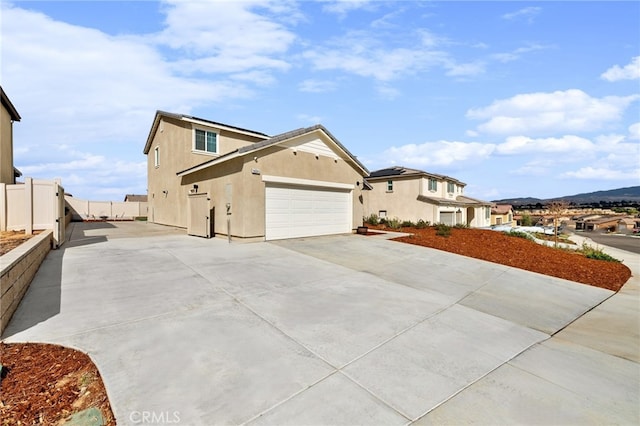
{"x": 134, "y": 198}
{"x": 409, "y": 194}
{"x": 605, "y": 223}
{"x": 627, "y": 224}
{"x": 502, "y": 214}
{"x": 8, "y": 173}
{"x": 212, "y": 178}
{"x": 581, "y": 221}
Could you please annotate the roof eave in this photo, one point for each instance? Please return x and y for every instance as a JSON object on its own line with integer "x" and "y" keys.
{"x": 13, "y": 112}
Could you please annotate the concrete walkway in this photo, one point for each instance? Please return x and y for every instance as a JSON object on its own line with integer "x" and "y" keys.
{"x": 333, "y": 330}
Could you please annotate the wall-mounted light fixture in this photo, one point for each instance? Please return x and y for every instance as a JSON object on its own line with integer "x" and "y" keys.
{"x": 255, "y": 159}
{"x": 195, "y": 187}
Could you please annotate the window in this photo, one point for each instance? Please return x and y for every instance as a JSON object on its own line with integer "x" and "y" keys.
{"x": 205, "y": 141}
{"x": 433, "y": 184}
{"x": 498, "y": 221}
{"x": 510, "y": 218}
{"x": 487, "y": 213}
{"x": 389, "y": 185}
{"x": 156, "y": 156}
{"x": 450, "y": 187}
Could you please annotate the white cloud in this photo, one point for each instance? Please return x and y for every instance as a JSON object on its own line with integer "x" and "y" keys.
{"x": 463, "y": 70}
{"x": 516, "y": 145}
{"x": 602, "y": 173}
{"x": 634, "y": 131}
{"x": 371, "y": 55}
{"x": 92, "y": 176}
{"x": 343, "y": 7}
{"x": 387, "y": 92}
{"x": 561, "y": 111}
{"x": 311, "y": 119}
{"x": 225, "y": 30}
{"x": 317, "y": 86}
{"x": 517, "y": 53}
{"x": 528, "y": 13}
{"x": 631, "y": 71}
{"x": 82, "y": 87}
{"x": 438, "y": 154}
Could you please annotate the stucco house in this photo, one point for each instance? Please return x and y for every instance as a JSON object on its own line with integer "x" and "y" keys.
{"x": 502, "y": 214}
{"x": 410, "y": 194}
{"x": 8, "y": 173}
{"x": 213, "y": 178}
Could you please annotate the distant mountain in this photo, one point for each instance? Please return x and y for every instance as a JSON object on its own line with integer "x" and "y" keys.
{"x": 630, "y": 194}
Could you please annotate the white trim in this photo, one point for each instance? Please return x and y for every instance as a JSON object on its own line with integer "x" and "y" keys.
{"x": 223, "y": 127}
{"x": 306, "y": 182}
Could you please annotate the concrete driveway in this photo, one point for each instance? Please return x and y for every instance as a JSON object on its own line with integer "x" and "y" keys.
{"x": 333, "y": 330}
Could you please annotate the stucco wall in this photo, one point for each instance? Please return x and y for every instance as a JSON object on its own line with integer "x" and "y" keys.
{"x": 248, "y": 188}
{"x": 402, "y": 202}
{"x": 19, "y": 266}
{"x": 6, "y": 147}
{"x": 166, "y": 194}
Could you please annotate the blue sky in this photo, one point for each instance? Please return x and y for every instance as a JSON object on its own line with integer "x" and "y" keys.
{"x": 514, "y": 98}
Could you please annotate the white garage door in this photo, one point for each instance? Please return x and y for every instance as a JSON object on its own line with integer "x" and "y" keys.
{"x": 447, "y": 218}
{"x": 294, "y": 211}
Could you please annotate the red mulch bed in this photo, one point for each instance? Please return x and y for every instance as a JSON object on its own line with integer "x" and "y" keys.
{"x": 43, "y": 384}
{"x": 520, "y": 253}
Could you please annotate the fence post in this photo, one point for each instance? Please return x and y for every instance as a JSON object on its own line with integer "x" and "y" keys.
{"x": 28, "y": 205}
{"x": 3, "y": 207}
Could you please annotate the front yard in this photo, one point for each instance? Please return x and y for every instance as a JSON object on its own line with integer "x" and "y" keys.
{"x": 521, "y": 253}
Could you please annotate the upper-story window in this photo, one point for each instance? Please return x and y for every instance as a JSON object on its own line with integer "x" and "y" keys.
{"x": 205, "y": 141}
{"x": 389, "y": 185}
{"x": 450, "y": 187}
{"x": 156, "y": 156}
{"x": 433, "y": 184}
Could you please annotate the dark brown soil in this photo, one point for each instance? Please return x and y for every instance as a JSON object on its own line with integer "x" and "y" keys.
{"x": 43, "y": 384}
{"x": 520, "y": 253}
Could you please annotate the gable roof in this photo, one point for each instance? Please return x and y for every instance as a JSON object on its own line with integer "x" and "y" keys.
{"x": 399, "y": 171}
{"x": 9, "y": 106}
{"x": 195, "y": 120}
{"x": 275, "y": 140}
{"x": 501, "y": 209}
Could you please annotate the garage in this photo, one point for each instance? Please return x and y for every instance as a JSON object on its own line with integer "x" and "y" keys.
{"x": 447, "y": 218}
{"x": 293, "y": 211}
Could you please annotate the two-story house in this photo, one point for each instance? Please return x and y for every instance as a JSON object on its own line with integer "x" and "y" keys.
{"x": 213, "y": 178}
{"x": 410, "y": 194}
{"x": 9, "y": 114}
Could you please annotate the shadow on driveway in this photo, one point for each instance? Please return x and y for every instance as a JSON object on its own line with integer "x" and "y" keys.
{"x": 44, "y": 294}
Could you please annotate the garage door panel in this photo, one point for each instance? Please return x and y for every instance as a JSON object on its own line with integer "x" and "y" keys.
{"x": 301, "y": 211}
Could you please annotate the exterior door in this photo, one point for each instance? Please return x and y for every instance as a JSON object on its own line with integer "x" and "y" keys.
{"x": 199, "y": 215}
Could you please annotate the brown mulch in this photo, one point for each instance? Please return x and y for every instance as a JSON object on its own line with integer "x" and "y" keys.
{"x": 520, "y": 253}
{"x": 12, "y": 239}
{"x": 43, "y": 384}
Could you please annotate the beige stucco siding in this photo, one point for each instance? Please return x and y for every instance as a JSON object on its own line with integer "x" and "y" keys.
{"x": 6, "y": 148}
{"x": 174, "y": 139}
{"x": 245, "y": 174}
{"x": 402, "y": 202}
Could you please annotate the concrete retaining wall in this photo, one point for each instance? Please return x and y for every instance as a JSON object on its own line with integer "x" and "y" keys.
{"x": 19, "y": 266}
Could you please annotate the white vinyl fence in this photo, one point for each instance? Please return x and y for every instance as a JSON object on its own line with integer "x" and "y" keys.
{"x": 105, "y": 210}
{"x": 33, "y": 205}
